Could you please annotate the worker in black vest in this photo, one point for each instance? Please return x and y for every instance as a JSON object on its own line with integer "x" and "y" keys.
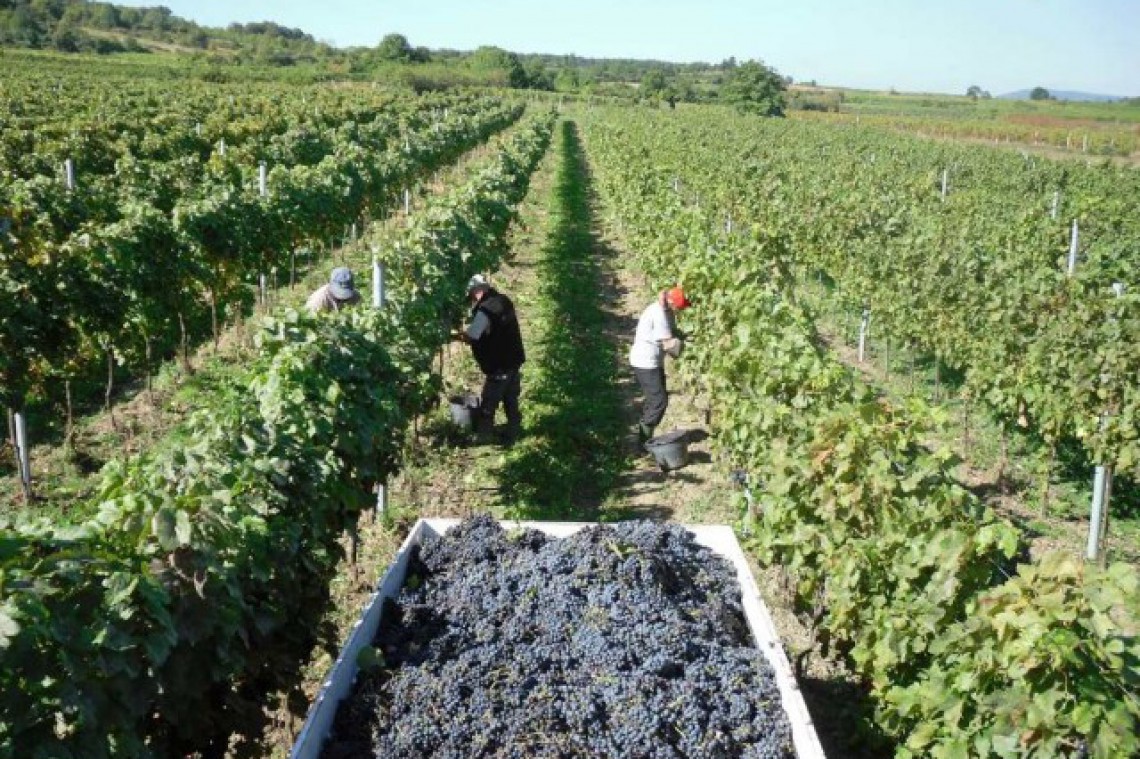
{"x": 497, "y": 344}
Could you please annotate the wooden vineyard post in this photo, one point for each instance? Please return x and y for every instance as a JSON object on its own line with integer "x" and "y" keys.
{"x": 1056, "y": 204}
{"x": 945, "y": 183}
{"x": 354, "y": 544}
{"x": 69, "y": 174}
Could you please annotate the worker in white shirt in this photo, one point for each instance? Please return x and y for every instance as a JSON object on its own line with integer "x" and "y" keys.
{"x": 656, "y": 335}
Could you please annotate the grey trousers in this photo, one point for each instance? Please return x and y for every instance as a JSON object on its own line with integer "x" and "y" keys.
{"x": 652, "y": 383}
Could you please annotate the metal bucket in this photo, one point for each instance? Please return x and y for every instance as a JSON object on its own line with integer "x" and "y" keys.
{"x": 671, "y": 450}
{"x": 463, "y": 409}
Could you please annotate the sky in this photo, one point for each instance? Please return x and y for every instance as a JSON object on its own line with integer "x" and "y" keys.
{"x": 911, "y": 45}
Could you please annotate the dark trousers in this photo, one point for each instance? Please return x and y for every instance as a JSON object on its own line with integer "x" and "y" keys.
{"x": 652, "y": 383}
{"x": 501, "y": 388}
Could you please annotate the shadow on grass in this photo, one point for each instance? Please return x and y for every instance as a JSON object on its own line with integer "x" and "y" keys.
{"x": 571, "y": 454}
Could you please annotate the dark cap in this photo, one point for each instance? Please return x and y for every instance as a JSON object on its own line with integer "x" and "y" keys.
{"x": 340, "y": 284}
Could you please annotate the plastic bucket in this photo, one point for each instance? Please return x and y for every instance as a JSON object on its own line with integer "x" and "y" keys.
{"x": 671, "y": 450}
{"x": 463, "y": 409}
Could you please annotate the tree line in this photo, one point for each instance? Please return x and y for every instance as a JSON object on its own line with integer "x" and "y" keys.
{"x": 77, "y": 26}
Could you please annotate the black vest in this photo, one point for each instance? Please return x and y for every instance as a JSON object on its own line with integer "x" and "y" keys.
{"x": 500, "y": 349}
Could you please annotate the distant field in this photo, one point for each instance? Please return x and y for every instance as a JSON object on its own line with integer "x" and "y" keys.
{"x": 1080, "y": 129}
{"x": 957, "y": 106}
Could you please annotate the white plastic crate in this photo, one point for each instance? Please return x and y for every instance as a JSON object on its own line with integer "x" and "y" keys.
{"x": 718, "y": 538}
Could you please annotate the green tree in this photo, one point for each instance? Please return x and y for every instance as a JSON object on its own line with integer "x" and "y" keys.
{"x": 158, "y": 19}
{"x": 567, "y": 80}
{"x": 653, "y": 84}
{"x": 538, "y": 77}
{"x": 684, "y": 89}
{"x": 21, "y": 28}
{"x": 490, "y": 58}
{"x": 754, "y": 88}
{"x": 198, "y": 39}
{"x": 1039, "y": 93}
{"x": 103, "y": 15}
{"x": 66, "y": 38}
{"x": 394, "y": 47}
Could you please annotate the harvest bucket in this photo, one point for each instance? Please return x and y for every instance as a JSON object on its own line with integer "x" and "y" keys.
{"x": 671, "y": 450}
{"x": 462, "y": 407}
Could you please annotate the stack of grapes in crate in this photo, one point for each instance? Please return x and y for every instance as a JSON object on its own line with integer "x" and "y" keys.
{"x": 621, "y": 641}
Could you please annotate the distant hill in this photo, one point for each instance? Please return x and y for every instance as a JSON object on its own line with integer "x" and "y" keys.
{"x": 73, "y": 26}
{"x": 1081, "y": 97}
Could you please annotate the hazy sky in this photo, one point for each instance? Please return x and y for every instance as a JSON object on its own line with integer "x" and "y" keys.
{"x": 1001, "y": 45}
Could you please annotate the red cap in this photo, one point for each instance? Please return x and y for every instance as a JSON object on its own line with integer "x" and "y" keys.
{"x": 676, "y": 299}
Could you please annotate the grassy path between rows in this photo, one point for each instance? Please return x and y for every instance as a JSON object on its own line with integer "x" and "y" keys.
{"x": 572, "y": 452}
{"x": 572, "y": 455}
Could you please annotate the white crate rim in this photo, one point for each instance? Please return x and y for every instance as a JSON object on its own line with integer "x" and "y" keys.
{"x": 718, "y": 538}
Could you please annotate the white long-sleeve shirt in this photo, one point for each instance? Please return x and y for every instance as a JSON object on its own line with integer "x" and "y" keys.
{"x": 655, "y": 325}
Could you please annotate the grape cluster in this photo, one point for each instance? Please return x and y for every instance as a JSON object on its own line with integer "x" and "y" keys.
{"x": 625, "y": 640}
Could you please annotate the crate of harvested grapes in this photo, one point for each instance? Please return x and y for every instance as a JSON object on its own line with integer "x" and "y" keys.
{"x": 542, "y": 639}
